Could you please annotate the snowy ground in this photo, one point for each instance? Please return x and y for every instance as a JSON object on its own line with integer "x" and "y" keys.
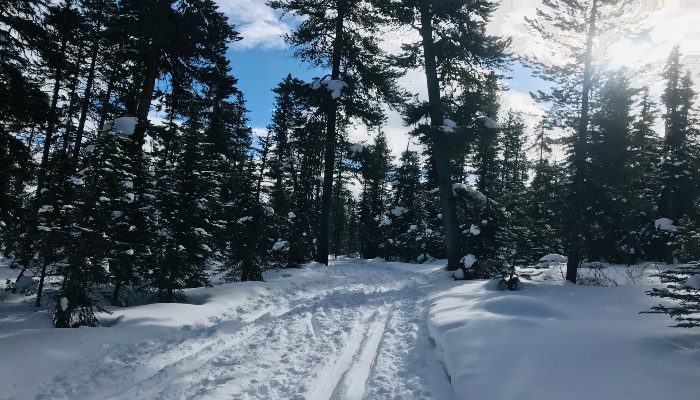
{"x": 360, "y": 330}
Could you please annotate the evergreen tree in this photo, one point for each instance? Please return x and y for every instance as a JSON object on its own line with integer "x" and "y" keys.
{"x": 455, "y": 52}
{"x": 609, "y": 211}
{"x": 679, "y": 187}
{"x": 405, "y": 221}
{"x": 342, "y": 36}
{"x": 570, "y": 28}
{"x": 645, "y": 153}
{"x": 375, "y": 167}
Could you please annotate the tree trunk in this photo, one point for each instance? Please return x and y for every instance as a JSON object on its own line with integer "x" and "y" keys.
{"x": 329, "y": 156}
{"x": 146, "y": 95}
{"x": 441, "y": 152}
{"x": 580, "y": 154}
{"x": 86, "y": 99}
{"x": 51, "y": 125}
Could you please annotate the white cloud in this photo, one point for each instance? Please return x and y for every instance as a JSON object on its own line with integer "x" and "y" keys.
{"x": 259, "y": 25}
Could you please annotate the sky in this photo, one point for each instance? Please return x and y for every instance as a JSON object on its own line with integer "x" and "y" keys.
{"x": 262, "y": 58}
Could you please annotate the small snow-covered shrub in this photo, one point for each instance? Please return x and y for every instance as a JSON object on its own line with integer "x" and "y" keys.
{"x": 683, "y": 288}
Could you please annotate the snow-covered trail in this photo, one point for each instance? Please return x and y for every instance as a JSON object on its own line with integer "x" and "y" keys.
{"x": 357, "y": 333}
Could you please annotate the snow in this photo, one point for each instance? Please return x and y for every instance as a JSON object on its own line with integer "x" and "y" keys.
{"x": 291, "y": 215}
{"x": 399, "y": 211}
{"x": 471, "y": 192}
{"x": 554, "y": 340}
{"x": 553, "y": 258}
{"x": 89, "y": 148}
{"x": 64, "y": 303}
{"x": 359, "y": 329}
{"x": 385, "y": 222}
{"x": 124, "y": 125}
{"x": 76, "y": 181}
{"x": 665, "y": 224}
{"x": 693, "y": 282}
{"x": 488, "y": 122}
{"x": 24, "y": 282}
{"x": 280, "y": 245}
{"x": 130, "y": 197}
{"x": 128, "y": 184}
{"x": 104, "y": 199}
{"x": 45, "y": 209}
{"x": 244, "y": 219}
{"x": 448, "y": 126}
{"x": 468, "y": 261}
{"x": 335, "y": 86}
{"x": 117, "y": 214}
{"x": 474, "y": 230}
{"x": 356, "y": 148}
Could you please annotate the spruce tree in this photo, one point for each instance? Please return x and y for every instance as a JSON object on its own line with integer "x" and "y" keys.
{"x": 570, "y": 29}
{"x": 609, "y": 211}
{"x": 341, "y": 36}
{"x": 679, "y": 187}
{"x": 375, "y": 166}
{"x": 455, "y": 52}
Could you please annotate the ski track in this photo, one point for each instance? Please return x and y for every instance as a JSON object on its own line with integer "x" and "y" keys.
{"x": 359, "y": 334}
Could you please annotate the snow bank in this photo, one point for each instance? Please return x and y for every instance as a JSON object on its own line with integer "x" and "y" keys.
{"x": 553, "y": 258}
{"x": 693, "y": 282}
{"x": 559, "y": 341}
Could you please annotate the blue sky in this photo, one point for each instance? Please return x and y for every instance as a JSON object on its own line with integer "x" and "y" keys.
{"x": 262, "y": 58}
{"x": 258, "y": 71}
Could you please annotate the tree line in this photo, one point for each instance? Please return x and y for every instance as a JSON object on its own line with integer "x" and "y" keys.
{"x": 103, "y": 205}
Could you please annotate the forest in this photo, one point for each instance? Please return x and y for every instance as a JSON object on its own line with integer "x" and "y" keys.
{"x": 100, "y": 202}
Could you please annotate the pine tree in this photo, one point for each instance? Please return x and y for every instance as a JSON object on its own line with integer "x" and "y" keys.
{"x": 679, "y": 187}
{"x": 342, "y": 36}
{"x": 454, "y": 51}
{"x": 645, "y": 153}
{"x": 609, "y": 173}
{"x": 570, "y": 28}
{"x": 404, "y": 220}
{"x": 375, "y": 166}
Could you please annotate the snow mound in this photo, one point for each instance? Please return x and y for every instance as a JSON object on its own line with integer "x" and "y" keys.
{"x": 693, "y": 282}
{"x": 553, "y": 258}
{"x": 520, "y": 306}
{"x": 468, "y": 260}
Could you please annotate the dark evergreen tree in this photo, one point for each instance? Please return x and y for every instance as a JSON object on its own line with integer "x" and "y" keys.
{"x": 375, "y": 166}
{"x": 679, "y": 185}
{"x": 569, "y": 28}
{"x": 455, "y": 52}
{"x": 342, "y": 36}
{"x": 609, "y": 211}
